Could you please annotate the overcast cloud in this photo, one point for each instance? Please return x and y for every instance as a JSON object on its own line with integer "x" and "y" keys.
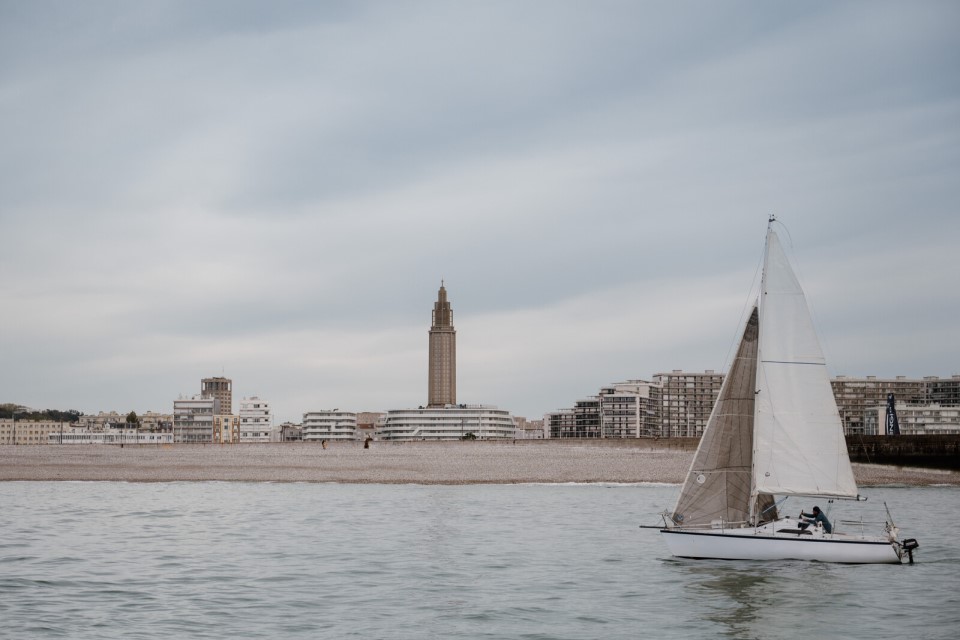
{"x": 273, "y": 192}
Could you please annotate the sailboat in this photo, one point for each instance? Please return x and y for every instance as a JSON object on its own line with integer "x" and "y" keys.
{"x": 774, "y": 431}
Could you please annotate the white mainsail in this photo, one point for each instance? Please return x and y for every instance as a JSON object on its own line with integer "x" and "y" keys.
{"x": 798, "y": 444}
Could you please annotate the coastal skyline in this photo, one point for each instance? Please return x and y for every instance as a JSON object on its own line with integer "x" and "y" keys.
{"x": 273, "y": 193}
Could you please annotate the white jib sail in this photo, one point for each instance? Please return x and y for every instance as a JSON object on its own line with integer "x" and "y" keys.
{"x": 799, "y": 448}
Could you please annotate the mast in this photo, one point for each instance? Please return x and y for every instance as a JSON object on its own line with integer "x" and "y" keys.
{"x": 758, "y": 505}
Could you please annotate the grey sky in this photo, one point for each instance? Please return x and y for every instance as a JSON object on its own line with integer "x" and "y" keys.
{"x": 273, "y": 191}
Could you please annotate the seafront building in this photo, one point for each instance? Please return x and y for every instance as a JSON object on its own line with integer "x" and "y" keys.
{"x": 671, "y": 405}
{"x": 630, "y": 409}
{"x": 226, "y": 429}
{"x": 221, "y": 389}
{"x": 560, "y": 424}
{"x": 586, "y": 418}
{"x": 289, "y": 432}
{"x": 914, "y": 419}
{"x": 858, "y": 397}
{"x": 193, "y": 419}
{"x": 329, "y": 425}
{"x": 454, "y": 422}
{"x": 256, "y": 421}
{"x": 679, "y": 403}
{"x": 529, "y": 429}
{"x": 686, "y": 400}
{"x": 149, "y": 421}
{"x": 14, "y": 431}
{"x": 368, "y": 419}
{"x": 81, "y": 435}
{"x": 367, "y": 422}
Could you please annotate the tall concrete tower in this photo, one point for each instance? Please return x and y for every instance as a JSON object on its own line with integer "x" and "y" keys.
{"x": 221, "y": 389}
{"x": 443, "y": 354}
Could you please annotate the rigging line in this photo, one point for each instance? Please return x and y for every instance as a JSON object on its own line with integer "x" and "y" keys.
{"x": 741, "y": 323}
{"x": 785, "y": 228}
{"x": 863, "y": 445}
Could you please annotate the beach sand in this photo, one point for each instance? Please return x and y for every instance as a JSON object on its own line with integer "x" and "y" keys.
{"x": 390, "y": 463}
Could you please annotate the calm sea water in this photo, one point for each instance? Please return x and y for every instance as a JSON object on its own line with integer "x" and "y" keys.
{"x": 219, "y": 560}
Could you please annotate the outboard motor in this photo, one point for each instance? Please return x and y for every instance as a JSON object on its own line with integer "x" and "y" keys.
{"x": 909, "y": 545}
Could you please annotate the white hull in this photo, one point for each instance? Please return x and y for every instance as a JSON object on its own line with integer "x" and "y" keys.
{"x": 767, "y": 543}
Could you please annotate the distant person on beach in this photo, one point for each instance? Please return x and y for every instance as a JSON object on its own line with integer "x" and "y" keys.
{"x": 323, "y": 443}
{"x": 814, "y": 518}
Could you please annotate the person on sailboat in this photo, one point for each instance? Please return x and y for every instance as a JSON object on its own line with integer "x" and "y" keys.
{"x": 815, "y": 517}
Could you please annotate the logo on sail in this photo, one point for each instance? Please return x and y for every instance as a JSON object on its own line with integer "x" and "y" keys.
{"x": 893, "y": 425}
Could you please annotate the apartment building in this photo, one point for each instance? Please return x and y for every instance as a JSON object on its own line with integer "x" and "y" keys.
{"x": 149, "y": 421}
{"x": 915, "y": 419}
{"x": 630, "y": 410}
{"x": 193, "y": 419}
{"x": 858, "y": 398}
{"x": 329, "y": 425}
{"x": 679, "y": 403}
{"x": 221, "y": 389}
{"x": 15, "y": 431}
{"x": 451, "y": 422}
{"x": 560, "y": 424}
{"x": 686, "y": 400}
{"x": 256, "y": 421}
{"x": 226, "y": 429}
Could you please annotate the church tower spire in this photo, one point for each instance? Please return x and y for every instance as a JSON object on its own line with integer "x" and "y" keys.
{"x": 442, "y": 384}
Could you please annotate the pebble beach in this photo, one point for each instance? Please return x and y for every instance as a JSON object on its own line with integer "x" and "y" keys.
{"x": 390, "y": 463}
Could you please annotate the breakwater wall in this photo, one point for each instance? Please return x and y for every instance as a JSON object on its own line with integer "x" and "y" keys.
{"x": 930, "y": 451}
{"x": 680, "y": 444}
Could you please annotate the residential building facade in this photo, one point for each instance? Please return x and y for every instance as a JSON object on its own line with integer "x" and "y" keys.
{"x": 915, "y": 419}
{"x": 560, "y": 424}
{"x": 149, "y": 421}
{"x": 686, "y": 400}
{"x": 630, "y": 409}
{"x": 193, "y": 419}
{"x": 454, "y": 422}
{"x": 329, "y": 425}
{"x": 226, "y": 429}
{"x": 529, "y": 429}
{"x": 289, "y": 432}
{"x": 857, "y": 398}
{"x": 256, "y": 421}
{"x": 586, "y": 416}
{"x": 81, "y": 435}
{"x": 25, "y": 432}
{"x": 678, "y": 404}
{"x": 221, "y": 389}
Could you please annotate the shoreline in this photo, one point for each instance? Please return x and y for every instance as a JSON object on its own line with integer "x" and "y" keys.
{"x": 449, "y": 463}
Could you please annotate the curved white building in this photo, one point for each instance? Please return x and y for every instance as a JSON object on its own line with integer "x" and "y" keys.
{"x": 451, "y": 422}
{"x": 329, "y": 425}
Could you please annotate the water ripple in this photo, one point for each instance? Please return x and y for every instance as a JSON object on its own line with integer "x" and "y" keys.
{"x": 215, "y": 560}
